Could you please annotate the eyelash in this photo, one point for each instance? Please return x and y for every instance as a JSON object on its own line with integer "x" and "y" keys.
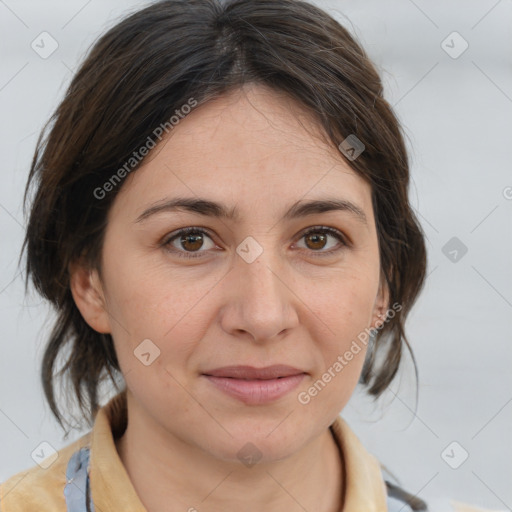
{"x": 197, "y": 254}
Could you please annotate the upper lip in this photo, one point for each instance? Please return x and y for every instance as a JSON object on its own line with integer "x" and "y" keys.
{"x": 249, "y": 372}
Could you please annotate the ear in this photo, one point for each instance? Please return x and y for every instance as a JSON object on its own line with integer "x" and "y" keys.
{"x": 381, "y": 305}
{"x": 89, "y": 297}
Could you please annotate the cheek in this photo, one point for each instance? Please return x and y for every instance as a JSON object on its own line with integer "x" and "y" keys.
{"x": 143, "y": 290}
{"x": 343, "y": 298}
{"x": 172, "y": 310}
{"x": 155, "y": 314}
{"x": 342, "y": 316}
{"x": 343, "y": 305}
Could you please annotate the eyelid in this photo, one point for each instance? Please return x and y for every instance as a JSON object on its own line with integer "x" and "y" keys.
{"x": 320, "y": 227}
{"x": 336, "y": 233}
{"x": 166, "y": 241}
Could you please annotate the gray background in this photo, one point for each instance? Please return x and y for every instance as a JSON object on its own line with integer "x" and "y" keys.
{"x": 457, "y": 116}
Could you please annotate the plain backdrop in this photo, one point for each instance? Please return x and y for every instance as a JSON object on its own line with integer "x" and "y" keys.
{"x": 447, "y": 70}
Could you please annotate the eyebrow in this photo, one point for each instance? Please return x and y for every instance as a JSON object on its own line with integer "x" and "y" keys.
{"x": 214, "y": 209}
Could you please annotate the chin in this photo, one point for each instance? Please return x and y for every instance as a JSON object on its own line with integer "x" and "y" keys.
{"x": 259, "y": 440}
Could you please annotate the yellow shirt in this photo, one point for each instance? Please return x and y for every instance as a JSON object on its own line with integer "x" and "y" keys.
{"x": 111, "y": 489}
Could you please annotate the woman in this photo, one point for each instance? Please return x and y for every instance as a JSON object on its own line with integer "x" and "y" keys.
{"x": 221, "y": 220}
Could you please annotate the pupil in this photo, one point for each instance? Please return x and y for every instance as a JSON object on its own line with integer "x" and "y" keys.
{"x": 193, "y": 239}
{"x": 317, "y": 238}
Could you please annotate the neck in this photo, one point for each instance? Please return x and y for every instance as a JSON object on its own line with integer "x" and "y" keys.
{"x": 171, "y": 475}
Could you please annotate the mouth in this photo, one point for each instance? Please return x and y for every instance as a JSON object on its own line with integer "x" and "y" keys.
{"x": 277, "y": 371}
{"x": 255, "y": 386}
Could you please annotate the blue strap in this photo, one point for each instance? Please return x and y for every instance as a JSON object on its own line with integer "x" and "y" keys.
{"x": 76, "y": 491}
{"x": 78, "y": 498}
{"x": 397, "y": 505}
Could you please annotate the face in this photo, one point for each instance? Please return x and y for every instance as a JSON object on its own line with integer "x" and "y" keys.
{"x": 268, "y": 283}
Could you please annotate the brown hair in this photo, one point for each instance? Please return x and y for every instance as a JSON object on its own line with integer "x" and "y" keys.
{"x": 133, "y": 80}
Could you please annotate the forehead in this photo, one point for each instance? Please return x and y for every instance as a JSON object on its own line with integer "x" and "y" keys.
{"x": 253, "y": 147}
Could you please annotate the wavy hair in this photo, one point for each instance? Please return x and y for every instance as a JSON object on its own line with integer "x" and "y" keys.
{"x": 132, "y": 80}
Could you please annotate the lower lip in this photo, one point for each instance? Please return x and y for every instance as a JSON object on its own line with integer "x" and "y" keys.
{"x": 254, "y": 392}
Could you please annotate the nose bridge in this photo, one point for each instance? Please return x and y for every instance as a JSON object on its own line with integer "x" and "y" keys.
{"x": 262, "y": 302}
{"x": 259, "y": 280}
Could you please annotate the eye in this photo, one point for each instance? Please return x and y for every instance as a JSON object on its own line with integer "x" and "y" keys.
{"x": 317, "y": 238}
{"x": 187, "y": 242}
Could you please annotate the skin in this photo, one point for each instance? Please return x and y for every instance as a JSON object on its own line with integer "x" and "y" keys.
{"x": 259, "y": 151}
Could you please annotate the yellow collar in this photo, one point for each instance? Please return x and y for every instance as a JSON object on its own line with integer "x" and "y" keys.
{"x": 112, "y": 488}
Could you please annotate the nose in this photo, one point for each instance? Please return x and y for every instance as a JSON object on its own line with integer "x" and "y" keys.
{"x": 260, "y": 302}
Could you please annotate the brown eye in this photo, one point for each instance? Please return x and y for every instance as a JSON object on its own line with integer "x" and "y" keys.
{"x": 188, "y": 241}
{"x": 191, "y": 242}
{"x": 317, "y": 239}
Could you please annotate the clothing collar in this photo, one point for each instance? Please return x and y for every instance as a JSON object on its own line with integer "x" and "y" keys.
{"x": 112, "y": 489}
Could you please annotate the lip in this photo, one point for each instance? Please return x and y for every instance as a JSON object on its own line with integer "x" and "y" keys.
{"x": 252, "y": 373}
{"x": 254, "y": 386}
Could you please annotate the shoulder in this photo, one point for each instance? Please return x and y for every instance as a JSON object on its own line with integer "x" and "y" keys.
{"x": 40, "y": 487}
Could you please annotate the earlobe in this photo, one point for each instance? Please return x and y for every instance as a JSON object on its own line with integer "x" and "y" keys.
{"x": 89, "y": 298}
{"x": 381, "y": 305}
